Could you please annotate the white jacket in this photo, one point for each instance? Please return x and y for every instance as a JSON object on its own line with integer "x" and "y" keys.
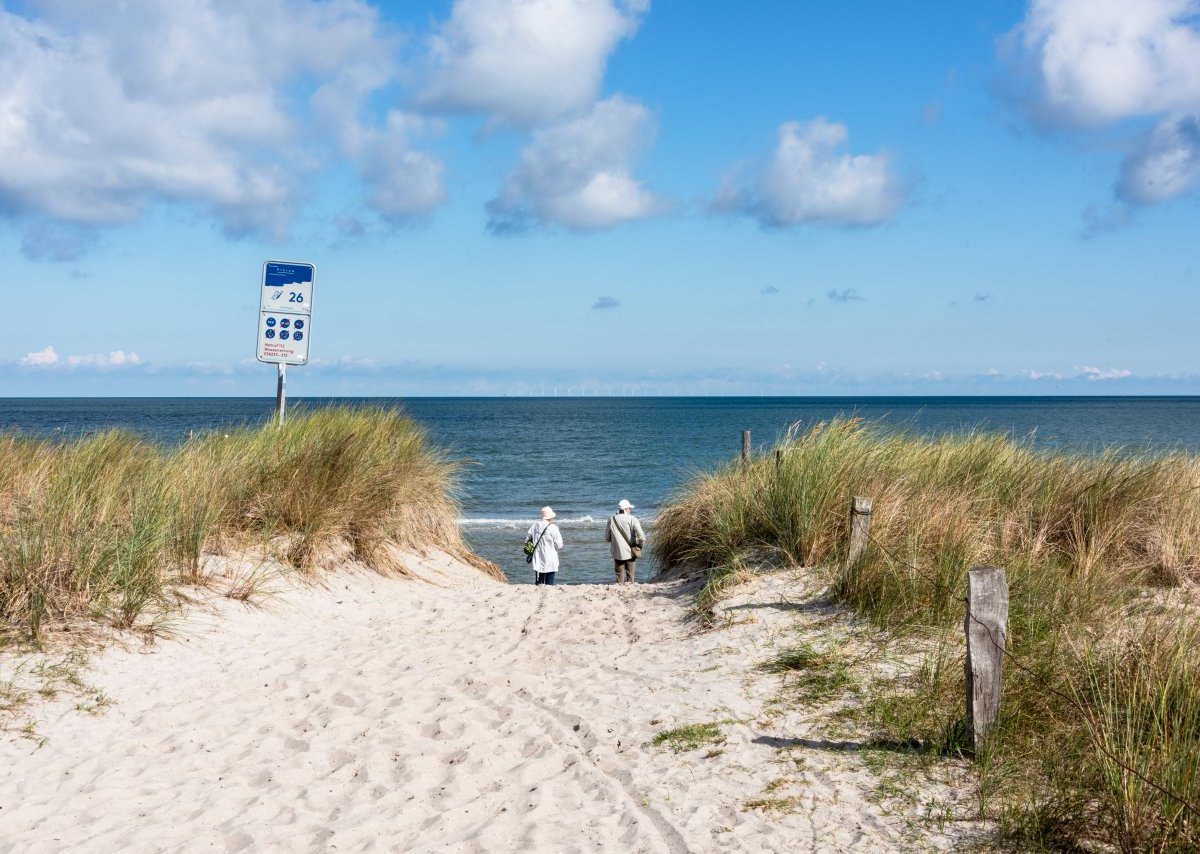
{"x": 545, "y": 557}
{"x": 628, "y": 525}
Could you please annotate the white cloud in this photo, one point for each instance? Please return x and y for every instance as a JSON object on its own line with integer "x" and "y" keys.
{"x": 403, "y": 183}
{"x": 1098, "y": 63}
{"x": 49, "y": 358}
{"x": 1040, "y": 375}
{"x": 1165, "y": 164}
{"x": 810, "y": 179}
{"x": 1092, "y": 62}
{"x": 577, "y": 173}
{"x": 526, "y": 61}
{"x": 108, "y": 108}
{"x": 1101, "y": 374}
{"x": 46, "y": 356}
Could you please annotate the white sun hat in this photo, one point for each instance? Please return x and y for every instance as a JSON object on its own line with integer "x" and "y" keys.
{"x": 547, "y": 513}
{"x": 624, "y": 504}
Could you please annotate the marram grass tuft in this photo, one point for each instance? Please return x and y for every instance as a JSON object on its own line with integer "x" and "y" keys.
{"x": 102, "y": 527}
{"x": 1099, "y": 734}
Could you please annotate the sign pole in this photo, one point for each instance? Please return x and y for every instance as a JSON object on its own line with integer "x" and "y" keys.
{"x": 281, "y": 392}
{"x": 284, "y": 320}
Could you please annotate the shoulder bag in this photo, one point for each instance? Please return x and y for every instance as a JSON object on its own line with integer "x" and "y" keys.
{"x": 531, "y": 546}
{"x": 636, "y": 551}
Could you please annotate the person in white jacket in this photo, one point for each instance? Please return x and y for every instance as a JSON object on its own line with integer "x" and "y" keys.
{"x": 549, "y": 542}
{"x": 622, "y": 533}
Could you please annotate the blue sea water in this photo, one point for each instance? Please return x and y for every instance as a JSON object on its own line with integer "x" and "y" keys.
{"x": 582, "y": 455}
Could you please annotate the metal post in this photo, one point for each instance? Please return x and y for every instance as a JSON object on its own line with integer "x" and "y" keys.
{"x": 281, "y": 393}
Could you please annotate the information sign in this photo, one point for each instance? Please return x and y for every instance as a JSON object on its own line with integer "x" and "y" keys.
{"x": 285, "y": 312}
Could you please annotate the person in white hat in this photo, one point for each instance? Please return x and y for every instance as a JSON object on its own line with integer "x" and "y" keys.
{"x": 547, "y": 543}
{"x": 625, "y": 539}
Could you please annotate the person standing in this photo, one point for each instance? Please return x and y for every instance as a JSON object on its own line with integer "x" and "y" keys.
{"x": 548, "y": 542}
{"x": 625, "y": 539}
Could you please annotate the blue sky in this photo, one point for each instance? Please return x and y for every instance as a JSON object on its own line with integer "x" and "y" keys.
{"x": 603, "y": 196}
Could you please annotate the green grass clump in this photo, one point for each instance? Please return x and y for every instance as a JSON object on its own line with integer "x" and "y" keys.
{"x": 1107, "y": 680}
{"x": 102, "y": 527}
{"x": 813, "y": 675}
{"x": 689, "y": 736}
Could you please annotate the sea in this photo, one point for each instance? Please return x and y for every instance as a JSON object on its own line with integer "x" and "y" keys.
{"x": 583, "y": 455}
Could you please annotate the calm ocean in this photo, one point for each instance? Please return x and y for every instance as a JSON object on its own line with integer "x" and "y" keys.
{"x": 582, "y": 455}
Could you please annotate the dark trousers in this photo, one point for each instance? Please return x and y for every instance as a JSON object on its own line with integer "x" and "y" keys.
{"x": 626, "y": 570}
{"x": 545, "y": 578}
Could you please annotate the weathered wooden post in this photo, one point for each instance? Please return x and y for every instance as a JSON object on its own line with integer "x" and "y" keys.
{"x": 778, "y": 460}
{"x": 745, "y": 446}
{"x": 860, "y": 529}
{"x": 986, "y": 627}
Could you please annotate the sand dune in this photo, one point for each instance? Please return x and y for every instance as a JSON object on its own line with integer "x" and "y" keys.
{"x": 463, "y": 715}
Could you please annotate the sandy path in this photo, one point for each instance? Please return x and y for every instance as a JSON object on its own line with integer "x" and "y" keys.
{"x": 389, "y": 715}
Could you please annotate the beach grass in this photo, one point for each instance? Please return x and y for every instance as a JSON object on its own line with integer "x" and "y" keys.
{"x": 1100, "y": 720}
{"x": 690, "y": 736}
{"x": 107, "y": 526}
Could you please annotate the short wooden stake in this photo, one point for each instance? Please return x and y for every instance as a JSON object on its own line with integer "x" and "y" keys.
{"x": 860, "y": 529}
{"x": 987, "y": 632}
{"x": 778, "y": 460}
{"x": 745, "y": 446}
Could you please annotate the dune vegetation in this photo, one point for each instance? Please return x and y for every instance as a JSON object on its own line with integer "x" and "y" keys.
{"x": 108, "y": 526}
{"x": 1099, "y": 736}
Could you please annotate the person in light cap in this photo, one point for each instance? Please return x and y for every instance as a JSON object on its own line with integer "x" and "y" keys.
{"x": 548, "y": 542}
{"x": 625, "y": 539}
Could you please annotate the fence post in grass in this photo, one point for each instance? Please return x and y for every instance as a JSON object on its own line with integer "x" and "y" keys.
{"x": 778, "y": 460}
{"x": 986, "y": 627}
{"x": 745, "y": 446}
{"x": 860, "y": 529}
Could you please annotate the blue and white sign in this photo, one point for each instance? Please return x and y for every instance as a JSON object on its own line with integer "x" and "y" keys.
{"x": 285, "y": 298}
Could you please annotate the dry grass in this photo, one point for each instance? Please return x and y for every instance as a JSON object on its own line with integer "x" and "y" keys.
{"x": 103, "y": 528}
{"x": 1107, "y": 680}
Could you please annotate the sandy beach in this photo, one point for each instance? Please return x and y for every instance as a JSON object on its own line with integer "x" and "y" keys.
{"x": 453, "y": 713}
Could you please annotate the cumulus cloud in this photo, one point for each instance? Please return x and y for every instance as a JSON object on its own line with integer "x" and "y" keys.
{"x": 526, "y": 61}
{"x": 1165, "y": 164}
{"x": 578, "y": 173}
{"x": 1082, "y": 372}
{"x": 810, "y": 178}
{"x": 1099, "y": 63}
{"x": 1092, "y": 62}
{"x": 49, "y": 358}
{"x": 41, "y": 357}
{"x": 1031, "y": 374}
{"x": 403, "y": 183}
{"x": 107, "y": 109}
{"x": 606, "y": 302}
{"x": 1095, "y": 374}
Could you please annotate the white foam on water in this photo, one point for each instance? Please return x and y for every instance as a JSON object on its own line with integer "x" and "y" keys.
{"x": 567, "y": 522}
{"x": 586, "y": 521}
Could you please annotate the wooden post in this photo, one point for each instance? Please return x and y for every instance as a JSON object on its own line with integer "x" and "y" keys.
{"x": 745, "y": 446}
{"x": 281, "y": 393}
{"x": 778, "y": 460}
{"x": 986, "y": 627}
{"x": 860, "y": 529}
